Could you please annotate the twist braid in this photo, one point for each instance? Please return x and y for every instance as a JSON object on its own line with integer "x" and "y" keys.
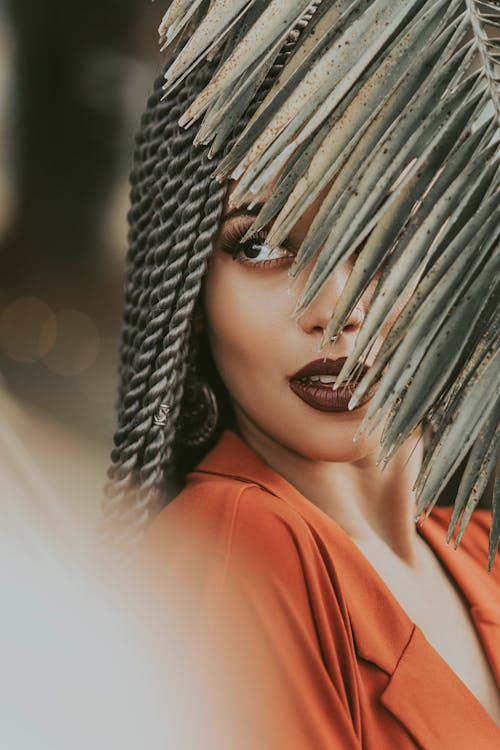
{"x": 167, "y": 382}
{"x": 167, "y": 217}
{"x": 163, "y": 336}
{"x": 176, "y": 207}
{"x": 138, "y": 219}
{"x": 157, "y": 128}
{"x": 172, "y": 176}
{"x": 170, "y": 168}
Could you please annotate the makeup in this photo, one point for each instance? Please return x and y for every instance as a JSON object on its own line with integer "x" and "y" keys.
{"x": 254, "y": 252}
{"x": 314, "y": 385}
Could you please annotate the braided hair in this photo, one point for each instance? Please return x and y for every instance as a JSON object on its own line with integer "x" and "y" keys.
{"x": 175, "y": 213}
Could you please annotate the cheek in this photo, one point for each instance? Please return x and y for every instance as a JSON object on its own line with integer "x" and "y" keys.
{"x": 243, "y": 314}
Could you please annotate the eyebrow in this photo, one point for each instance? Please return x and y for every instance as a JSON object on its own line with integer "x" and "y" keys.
{"x": 243, "y": 211}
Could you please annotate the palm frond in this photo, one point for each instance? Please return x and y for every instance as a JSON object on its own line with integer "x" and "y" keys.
{"x": 394, "y": 104}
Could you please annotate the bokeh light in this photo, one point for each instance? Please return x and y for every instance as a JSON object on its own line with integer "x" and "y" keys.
{"x": 76, "y": 344}
{"x": 27, "y": 329}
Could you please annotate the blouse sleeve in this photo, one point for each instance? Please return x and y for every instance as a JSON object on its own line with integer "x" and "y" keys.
{"x": 270, "y": 639}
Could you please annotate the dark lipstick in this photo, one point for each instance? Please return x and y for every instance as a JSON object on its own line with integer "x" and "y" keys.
{"x": 306, "y": 385}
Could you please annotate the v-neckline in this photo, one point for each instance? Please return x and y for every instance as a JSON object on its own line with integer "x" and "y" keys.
{"x": 481, "y": 616}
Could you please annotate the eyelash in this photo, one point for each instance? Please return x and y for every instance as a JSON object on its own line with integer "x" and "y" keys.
{"x": 230, "y": 245}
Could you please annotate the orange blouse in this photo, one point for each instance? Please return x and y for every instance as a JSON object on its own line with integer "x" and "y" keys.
{"x": 319, "y": 652}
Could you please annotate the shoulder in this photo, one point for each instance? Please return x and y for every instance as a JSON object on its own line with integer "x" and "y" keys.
{"x": 226, "y": 534}
{"x": 233, "y": 546}
{"x": 253, "y": 598}
{"x": 223, "y": 515}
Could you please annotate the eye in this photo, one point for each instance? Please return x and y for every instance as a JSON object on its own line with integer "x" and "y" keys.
{"x": 254, "y": 251}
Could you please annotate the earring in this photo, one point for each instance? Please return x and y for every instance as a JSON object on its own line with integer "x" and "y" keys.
{"x": 199, "y": 408}
{"x": 162, "y": 415}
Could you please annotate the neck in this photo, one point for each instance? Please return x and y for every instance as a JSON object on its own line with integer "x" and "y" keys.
{"x": 374, "y": 507}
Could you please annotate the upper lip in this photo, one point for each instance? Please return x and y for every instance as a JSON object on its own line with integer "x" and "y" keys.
{"x": 324, "y": 367}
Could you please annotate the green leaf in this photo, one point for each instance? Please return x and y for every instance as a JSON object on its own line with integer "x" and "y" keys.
{"x": 483, "y": 456}
{"x": 395, "y": 110}
{"x": 266, "y": 34}
{"x": 344, "y": 131}
{"x": 460, "y": 435}
{"x": 434, "y": 313}
{"x": 441, "y": 280}
{"x": 360, "y": 207}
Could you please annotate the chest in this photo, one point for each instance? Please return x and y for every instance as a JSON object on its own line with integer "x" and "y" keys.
{"x": 442, "y": 614}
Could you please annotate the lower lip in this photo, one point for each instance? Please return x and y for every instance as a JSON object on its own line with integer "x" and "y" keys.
{"x": 324, "y": 398}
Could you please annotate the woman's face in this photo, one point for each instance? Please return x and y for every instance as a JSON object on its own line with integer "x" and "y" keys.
{"x": 257, "y": 346}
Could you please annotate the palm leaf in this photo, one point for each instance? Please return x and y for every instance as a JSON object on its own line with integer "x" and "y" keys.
{"x": 484, "y": 454}
{"x": 368, "y": 102}
{"x": 397, "y": 104}
{"x": 441, "y": 282}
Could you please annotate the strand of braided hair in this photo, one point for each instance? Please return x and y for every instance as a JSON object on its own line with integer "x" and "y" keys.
{"x": 167, "y": 172}
{"x": 156, "y": 130}
{"x": 169, "y": 200}
{"x": 176, "y": 208}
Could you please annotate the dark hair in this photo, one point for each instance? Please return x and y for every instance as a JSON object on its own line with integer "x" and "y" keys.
{"x": 176, "y": 207}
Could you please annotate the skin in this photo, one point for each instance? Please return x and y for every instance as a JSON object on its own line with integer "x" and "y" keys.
{"x": 257, "y": 346}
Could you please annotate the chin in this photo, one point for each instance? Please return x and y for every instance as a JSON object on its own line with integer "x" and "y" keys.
{"x": 328, "y": 436}
{"x": 316, "y": 435}
{"x": 334, "y": 450}
{"x": 326, "y": 442}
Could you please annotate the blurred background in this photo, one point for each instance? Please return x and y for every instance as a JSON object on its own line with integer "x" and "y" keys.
{"x": 74, "y": 77}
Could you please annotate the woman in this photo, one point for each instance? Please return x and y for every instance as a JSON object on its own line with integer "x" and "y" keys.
{"x": 337, "y": 621}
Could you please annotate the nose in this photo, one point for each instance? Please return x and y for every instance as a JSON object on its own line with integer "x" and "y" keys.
{"x": 316, "y": 317}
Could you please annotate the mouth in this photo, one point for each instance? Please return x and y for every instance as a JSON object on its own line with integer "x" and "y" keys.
{"x": 314, "y": 385}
